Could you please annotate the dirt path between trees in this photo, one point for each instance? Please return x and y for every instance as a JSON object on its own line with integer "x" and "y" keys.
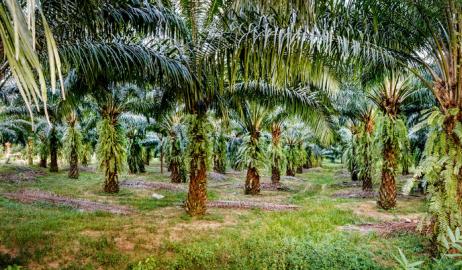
{"x": 152, "y": 185}
{"x": 384, "y": 228}
{"x": 30, "y": 196}
{"x": 251, "y": 205}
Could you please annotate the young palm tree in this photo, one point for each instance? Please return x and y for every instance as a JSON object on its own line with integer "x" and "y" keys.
{"x": 135, "y": 128}
{"x": 172, "y": 125}
{"x": 365, "y": 147}
{"x": 73, "y": 144}
{"x": 111, "y": 147}
{"x": 219, "y": 154}
{"x": 389, "y": 96}
{"x": 276, "y": 151}
{"x": 251, "y": 155}
{"x": 294, "y": 138}
{"x": 358, "y": 114}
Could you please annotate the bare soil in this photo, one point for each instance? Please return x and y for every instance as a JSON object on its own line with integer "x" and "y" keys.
{"x": 30, "y": 196}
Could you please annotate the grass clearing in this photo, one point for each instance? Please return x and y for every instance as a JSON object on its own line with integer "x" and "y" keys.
{"x": 161, "y": 236}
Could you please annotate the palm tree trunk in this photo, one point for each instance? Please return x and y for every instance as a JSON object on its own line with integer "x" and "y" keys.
{"x": 449, "y": 126}
{"x": 175, "y": 175}
{"x": 405, "y": 169}
{"x": 366, "y": 176}
{"x": 354, "y": 166}
{"x": 387, "y": 192}
{"x": 111, "y": 182}
{"x": 43, "y": 161}
{"x": 30, "y": 151}
{"x": 161, "y": 161}
{"x": 85, "y": 160}
{"x": 7, "y": 147}
{"x": 252, "y": 181}
{"x": 290, "y": 172}
{"x": 73, "y": 164}
{"x": 300, "y": 169}
{"x": 141, "y": 167}
{"x": 148, "y": 156}
{"x": 275, "y": 175}
{"x": 196, "y": 203}
{"x": 219, "y": 165}
{"x": 276, "y": 141}
{"x": 53, "y": 151}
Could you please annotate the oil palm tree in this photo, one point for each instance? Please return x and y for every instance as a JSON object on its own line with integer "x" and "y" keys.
{"x": 251, "y": 155}
{"x": 359, "y": 116}
{"x": 219, "y": 140}
{"x": 135, "y": 129}
{"x": 276, "y": 151}
{"x": 389, "y": 96}
{"x": 111, "y": 147}
{"x": 73, "y": 144}
{"x": 173, "y": 127}
{"x": 295, "y": 136}
{"x": 21, "y": 35}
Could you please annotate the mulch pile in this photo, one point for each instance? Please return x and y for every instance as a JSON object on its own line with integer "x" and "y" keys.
{"x": 30, "y": 196}
{"x": 151, "y": 185}
{"x": 251, "y": 205}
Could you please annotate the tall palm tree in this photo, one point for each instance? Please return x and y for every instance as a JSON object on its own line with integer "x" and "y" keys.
{"x": 389, "y": 96}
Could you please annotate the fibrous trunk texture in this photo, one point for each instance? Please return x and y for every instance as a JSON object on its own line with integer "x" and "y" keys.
{"x": 219, "y": 166}
{"x": 252, "y": 181}
{"x": 148, "y": 156}
{"x": 111, "y": 183}
{"x": 85, "y": 160}
{"x": 53, "y": 151}
{"x": 290, "y": 172}
{"x": 161, "y": 161}
{"x": 30, "y": 152}
{"x": 43, "y": 161}
{"x": 175, "y": 175}
{"x": 73, "y": 164}
{"x": 275, "y": 167}
{"x": 7, "y": 147}
{"x": 275, "y": 175}
{"x": 387, "y": 192}
{"x": 196, "y": 203}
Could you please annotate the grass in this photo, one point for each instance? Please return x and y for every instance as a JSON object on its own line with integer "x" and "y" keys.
{"x": 161, "y": 236}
